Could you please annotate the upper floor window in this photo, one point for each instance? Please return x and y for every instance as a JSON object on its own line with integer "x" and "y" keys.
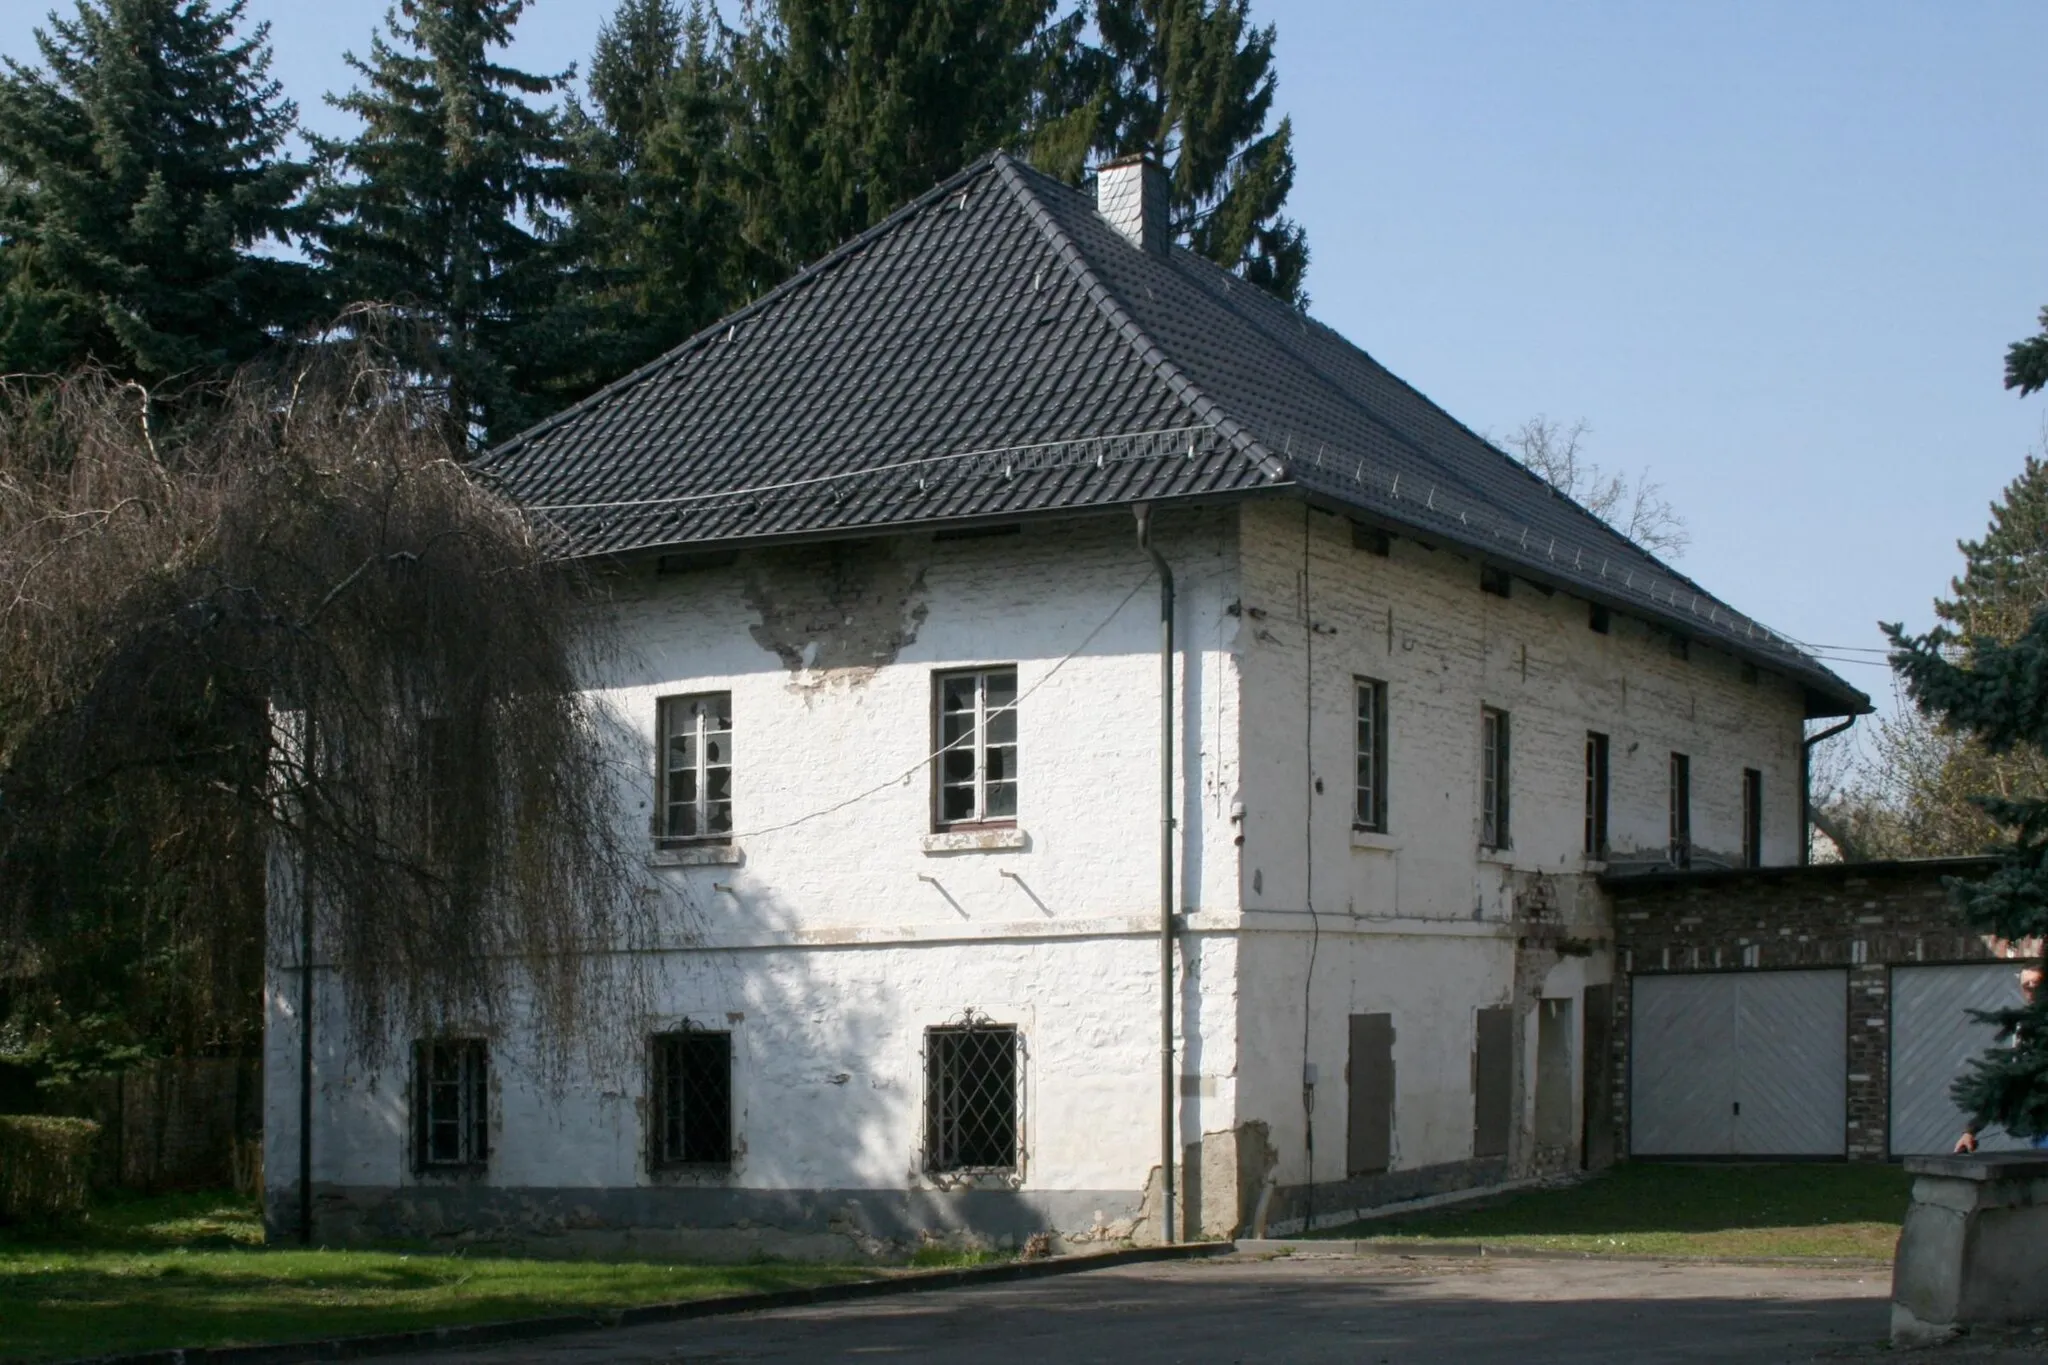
{"x": 1493, "y": 778}
{"x": 1596, "y": 794}
{"x": 451, "y": 1104}
{"x": 977, "y": 742}
{"x": 695, "y": 777}
{"x": 1681, "y": 810}
{"x": 1752, "y": 818}
{"x": 1370, "y": 811}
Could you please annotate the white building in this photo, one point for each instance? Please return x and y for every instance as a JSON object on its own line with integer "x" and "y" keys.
{"x": 1418, "y": 699}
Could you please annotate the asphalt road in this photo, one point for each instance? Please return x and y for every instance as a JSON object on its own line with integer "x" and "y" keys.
{"x": 1364, "y": 1311}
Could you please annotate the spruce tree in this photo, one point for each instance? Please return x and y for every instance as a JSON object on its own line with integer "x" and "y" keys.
{"x": 141, "y": 179}
{"x": 853, "y": 109}
{"x": 1190, "y": 84}
{"x": 655, "y": 223}
{"x": 1996, "y": 693}
{"x": 445, "y": 206}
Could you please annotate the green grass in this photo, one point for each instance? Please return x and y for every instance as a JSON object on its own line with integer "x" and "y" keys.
{"x": 192, "y": 1270}
{"x": 1647, "y": 1209}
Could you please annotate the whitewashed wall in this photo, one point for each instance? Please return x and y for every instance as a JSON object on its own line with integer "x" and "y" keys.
{"x": 1418, "y": 922}
{"x": 833, "y": 942}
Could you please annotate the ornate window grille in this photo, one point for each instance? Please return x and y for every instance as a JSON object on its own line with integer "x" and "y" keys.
{"x": 692, "y": 1099}
{"x": 695, "y": 767}
{"x": 451, "y": 1104}
{"x": 977, "y": 742}
{"x": 973, "y": 1083}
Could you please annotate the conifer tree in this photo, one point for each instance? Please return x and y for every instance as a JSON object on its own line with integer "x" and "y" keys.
{"x": 141, "y": 178}
{"x": 1190, "y": 84}
{"x": 655, "y": 224}
{"x": 1996, "y": 693}
{"x": 853, "y": 109}
{"x": 446, "y": 205}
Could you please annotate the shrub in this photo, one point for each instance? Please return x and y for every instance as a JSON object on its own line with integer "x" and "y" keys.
{"x": 45, "y": 1167}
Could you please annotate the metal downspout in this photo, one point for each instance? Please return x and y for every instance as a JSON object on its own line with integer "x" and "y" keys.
{"x": 1167, "y": 1141}
{"x": 1806, "y": 787}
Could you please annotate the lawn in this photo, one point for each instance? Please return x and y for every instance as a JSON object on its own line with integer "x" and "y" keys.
{"x": 1654, "y": 1209}
{"x": 192, "y": 1270}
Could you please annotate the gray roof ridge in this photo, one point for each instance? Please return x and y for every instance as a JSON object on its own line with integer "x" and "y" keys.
{"x": 839, "y": 255}
{"x": 1012, "y": 174}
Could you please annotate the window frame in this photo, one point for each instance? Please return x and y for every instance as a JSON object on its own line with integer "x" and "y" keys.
{"x": 1752, "y": 817}
{"x": 1680, "y": 809}
{"x": 669, "y": 1133}
{"x": 471, "y": 1093}
{"x": 979, "y": 818}
{"x": 1369, "y": 754}
{"x": 702, "y": 804}
{"x": 943, "y": 1110}
{"x": 1598, "y": 787}
{"x": 1495, "y": 767}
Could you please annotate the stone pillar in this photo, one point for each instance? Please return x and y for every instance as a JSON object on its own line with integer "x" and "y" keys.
{"x": 1870, "y": 1063}
{"x": 1971, "y": 1252}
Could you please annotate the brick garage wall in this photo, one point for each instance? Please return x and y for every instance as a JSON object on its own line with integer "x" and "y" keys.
{"x": 1866, "y": 917}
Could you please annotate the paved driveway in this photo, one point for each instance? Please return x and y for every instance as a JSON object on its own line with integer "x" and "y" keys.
{"x": 1357, "y": 1311}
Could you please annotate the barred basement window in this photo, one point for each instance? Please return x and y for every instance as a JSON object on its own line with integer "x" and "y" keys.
{"x": 695, "y": 776}
{"x": 1370, "y": 809}
{"x": 451, "y": 1105}
{"x": 977, "y": 739}
{"x": 1493, "y": 778}
{"x": 971, "y": 1077}
{"x": 690, "y": 1100}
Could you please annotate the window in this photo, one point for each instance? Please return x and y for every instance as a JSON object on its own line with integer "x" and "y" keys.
{"x": 1370, "y": 811}
{"x": 1681, "y": 811}
{"x": 690, "y": 1100}
{"x": 1493, "y": 778}
{"x": 696, "y": 767}
{"x": 1596, "y": 794}
{"x": 1598, "y": 621}
{"x": 970, "y": 1098}
{"x": 1752, "y": 818}
{"x": 1496, "y": 581}
{"x": 977, "y": 771}
{"x": 451, "y": 1105}
{"x": 1371, "y": 539}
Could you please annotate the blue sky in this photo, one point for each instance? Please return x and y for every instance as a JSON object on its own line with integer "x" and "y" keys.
{"x": 1772, "y": 252}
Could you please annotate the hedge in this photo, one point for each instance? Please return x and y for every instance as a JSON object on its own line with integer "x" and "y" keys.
{"x": 45, "y": 1167}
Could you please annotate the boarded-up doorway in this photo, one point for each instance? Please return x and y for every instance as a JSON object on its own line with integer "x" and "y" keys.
{"x": 1369, "y": 1146}
{"x": 1556, "y": 1030}
{"x": 1596, "y": 1070}
{"x": 1493, "y": 1081}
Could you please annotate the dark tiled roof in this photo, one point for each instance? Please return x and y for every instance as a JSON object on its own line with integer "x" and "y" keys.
{"x": 996, "y": 349}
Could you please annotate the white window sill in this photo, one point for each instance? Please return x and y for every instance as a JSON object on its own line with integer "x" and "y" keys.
{"x": 1374, "y": 840}
{"x": 696, "y": 855}
{"x": 975, "y": 841}
{"x": 1500, "y": 857}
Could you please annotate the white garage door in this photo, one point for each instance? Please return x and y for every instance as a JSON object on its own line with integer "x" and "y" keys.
{"x": 1739, "y": 1064}
{"x": 1933, "y": 1039}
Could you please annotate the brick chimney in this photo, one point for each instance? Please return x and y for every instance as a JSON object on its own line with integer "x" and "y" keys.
{"x": 1130, "y": 194}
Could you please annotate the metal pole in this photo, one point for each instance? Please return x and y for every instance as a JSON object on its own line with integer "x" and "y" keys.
{"x": 305, "y": 1068}
{"x": 1167, "y": 1137}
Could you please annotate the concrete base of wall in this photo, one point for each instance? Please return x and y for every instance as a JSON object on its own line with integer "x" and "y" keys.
{"x": 714, "y": 1223}
{"x": 1344, "y": 1201}
{"x": 1970, "y": 1252}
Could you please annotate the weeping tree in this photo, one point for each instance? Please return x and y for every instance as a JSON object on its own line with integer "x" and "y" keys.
{"x": 288, "y": 658}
